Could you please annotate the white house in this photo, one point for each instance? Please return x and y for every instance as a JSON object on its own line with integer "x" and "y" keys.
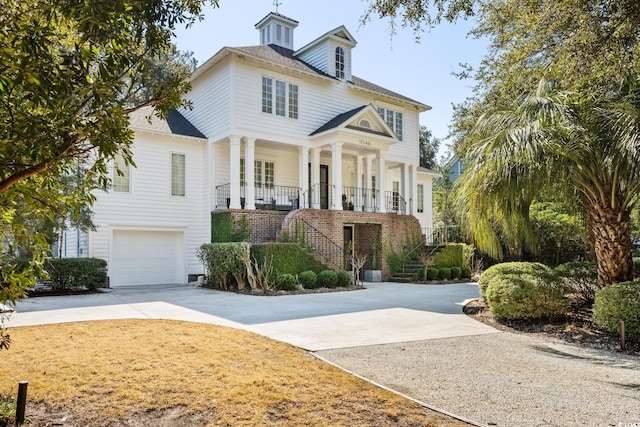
{"x": 274, "y": 130}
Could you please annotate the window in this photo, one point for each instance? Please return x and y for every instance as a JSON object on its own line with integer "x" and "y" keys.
{"x": 280, "y": 97}
{"x": 373, "y": 186}
{"x": 257, "y": 170}
{"x": 121, "y": 175}
{"x": 339, "y": 63}
{"x": 278, "y": 32}
{"x": 267, "y": 95}
{"x": 287, "y": 35}
{"x": 394, "y": 119}
{"x": 396, "y": 196}
{"x": 420, "y": 198}
{"x": 293, "y": 101}
{"x": 286, "y": 98}
{"x": 269, "y": 174}
{"x": 177, "y": 174}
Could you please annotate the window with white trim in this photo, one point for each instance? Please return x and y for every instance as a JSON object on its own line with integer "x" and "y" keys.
{"x": 285, "y": 101}
{"x": 420, "y": 198}
{"x": 263, "y": 172}
{"x": 394, "y": 120}
{"x": 121, "y": 179}
{"x": 178, "y": 170}
{"x": 339, "y": 62}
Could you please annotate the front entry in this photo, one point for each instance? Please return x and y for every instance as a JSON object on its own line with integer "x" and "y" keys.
{"x": 324, "y": 187}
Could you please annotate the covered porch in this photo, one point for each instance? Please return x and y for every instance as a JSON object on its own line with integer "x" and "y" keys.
{"x": 343, "y": 165}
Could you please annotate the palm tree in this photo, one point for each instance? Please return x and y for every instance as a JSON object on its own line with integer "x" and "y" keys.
{"x": 585, "y": 147}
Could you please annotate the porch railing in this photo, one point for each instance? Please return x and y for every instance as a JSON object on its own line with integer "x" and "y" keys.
{"x": 361, "y": 199}
{"x": 266, "y": 197}
{"x": 395, "y": 203}
{"x": 318, "y": 195}
{"x": 442, "y": 235}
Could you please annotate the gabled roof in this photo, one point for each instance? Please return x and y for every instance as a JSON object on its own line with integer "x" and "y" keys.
{"x": 351, "y": 120}
{"x": 279, "y": 16}
{"x": 175, "y": 123}
{"x": 337, "y": 120}
{"x": 341, "y": 33}
{"x": 284, "y": 57}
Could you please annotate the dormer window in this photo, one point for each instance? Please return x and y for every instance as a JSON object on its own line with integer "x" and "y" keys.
{"x": 339, "y": 62}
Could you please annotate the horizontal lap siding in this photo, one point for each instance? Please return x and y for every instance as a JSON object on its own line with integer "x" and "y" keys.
{"x": 149, "y": 205}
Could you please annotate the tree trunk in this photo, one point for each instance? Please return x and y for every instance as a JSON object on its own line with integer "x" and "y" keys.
{"x": 611, "y": 237}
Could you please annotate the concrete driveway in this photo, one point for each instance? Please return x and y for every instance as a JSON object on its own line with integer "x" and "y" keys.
{"x": 383, "y": 313}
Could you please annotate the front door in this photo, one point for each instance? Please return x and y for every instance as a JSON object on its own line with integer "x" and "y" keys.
{"x": 324, "y": 187}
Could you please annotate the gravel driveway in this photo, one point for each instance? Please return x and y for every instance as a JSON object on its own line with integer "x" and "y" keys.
{"x": 506, "y": 379}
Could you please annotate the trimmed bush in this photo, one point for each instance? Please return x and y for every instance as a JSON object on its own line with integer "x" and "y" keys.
{"x": 617, "y": 302}
{"x": 456, "y": 272}
{"x": 582, "y": 277}
{"x": 432, "y": 273}
{"x": 76, "y": 273}
{"x": 513, "y": 269}
{"x": 343, "y": 278}
{"x": 226, "y": 263}
{"x": 288, "y": 258}
{"x": 225, "y": 228}
{"x": 308, "y": 279}
{"x": 327, "y": 279}
{"x": 526, "y": 296}
{"x": 286, "y": 282}
{"x": 466, "y": 272}
{"x": 450, "y": 256}
{"x": 444, "y": 273}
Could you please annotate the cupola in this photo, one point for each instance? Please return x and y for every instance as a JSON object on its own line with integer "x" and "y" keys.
{"x": 277, "y": 29}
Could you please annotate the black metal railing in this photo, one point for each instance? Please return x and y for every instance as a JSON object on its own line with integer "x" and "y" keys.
{"x": 441, "y": 235}
{"x": 394, "y": 202}
{"x": 266, "y": 197}
{"x": 330, "y": 252}
{"x": 361, "y": 199}
{"x": 318, "y": 195}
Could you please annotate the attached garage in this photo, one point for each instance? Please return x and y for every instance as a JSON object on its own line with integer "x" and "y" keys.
{"x": 147, "y": 258}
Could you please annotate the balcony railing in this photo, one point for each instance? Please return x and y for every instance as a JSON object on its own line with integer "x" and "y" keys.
{"x": 266, "y": 197}
{"x": 360, "y": 199}
{"x": 395, "y": 203}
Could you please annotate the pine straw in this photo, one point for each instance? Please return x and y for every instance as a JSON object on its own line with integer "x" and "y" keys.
{"x": 156, "y": 372}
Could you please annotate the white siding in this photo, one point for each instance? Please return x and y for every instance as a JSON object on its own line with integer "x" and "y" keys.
{"x": 149, "y": 206}
{"x": 318, "y": 57}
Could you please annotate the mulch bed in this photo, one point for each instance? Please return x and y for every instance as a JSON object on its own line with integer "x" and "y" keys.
{"x": 576, "y": 328}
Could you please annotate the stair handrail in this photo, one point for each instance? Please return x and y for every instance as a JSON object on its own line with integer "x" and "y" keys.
{"x": 406, "y": 255}
{"x": 336, "y": 249}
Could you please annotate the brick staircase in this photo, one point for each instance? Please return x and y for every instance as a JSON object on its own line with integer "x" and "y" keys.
{"x": 413, "y": 265}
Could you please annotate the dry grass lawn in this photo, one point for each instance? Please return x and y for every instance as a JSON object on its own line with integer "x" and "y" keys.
{"x": 170, "y": 373}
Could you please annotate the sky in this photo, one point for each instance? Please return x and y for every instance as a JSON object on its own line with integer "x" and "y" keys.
{"x": 420, "y": 70}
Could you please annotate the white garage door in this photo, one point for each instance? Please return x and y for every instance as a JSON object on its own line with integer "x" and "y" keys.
{"x": 147, "y": 258}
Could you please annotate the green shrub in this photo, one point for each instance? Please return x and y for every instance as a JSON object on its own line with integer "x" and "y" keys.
{"x": 617, "y": 302}
{"x": 286, "y": 282}
{"x": 308, "y": 279}
{"x": 225, "y": 228}
{"x": 466, "y": 272}
{"x": 636, "y": 267}
{"x": 456, "y": 272}
{"x": 450, "y": 256}
{"x": 444, "y": 273}
{"x": 526, "y": 296}
{"x": 513, "y": 269}
{"x": 226, "y": 263}
{"x": 327, "y": 279}
{"x": 343, "y": 278}
{"x": 288, "y": 258}
{"x": 582, "y": 277}
{"x": 76, "y": 273}
{"x": 432, "y": 273}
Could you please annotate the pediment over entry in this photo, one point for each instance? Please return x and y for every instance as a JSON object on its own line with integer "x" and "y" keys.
{"x": 361, "y": 126}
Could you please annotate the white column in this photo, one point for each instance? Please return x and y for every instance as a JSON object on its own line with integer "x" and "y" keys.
{"x": 413, "y": 189}
{"x": 380, "y": 184}
{"x": 368, "y": 173}
{"x": 336, "y": 175}
{"x": 304, "y": 176}
{"x": 249, "y": 174}
{"x": 315, "y": 178}
{"x": 357, "y": 199}
{"x": 234, "y": 172}
{"x": 405, "y": 186}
